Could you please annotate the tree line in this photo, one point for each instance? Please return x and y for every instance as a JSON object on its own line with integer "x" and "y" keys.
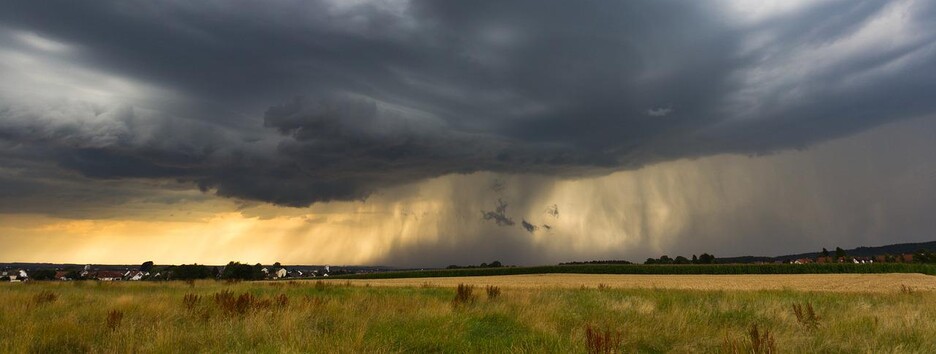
{"x": 704, "y": 258}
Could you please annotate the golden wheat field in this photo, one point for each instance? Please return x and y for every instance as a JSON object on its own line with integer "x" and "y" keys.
{"x": 509, "y": 314}
{"x": 803, "y": 282}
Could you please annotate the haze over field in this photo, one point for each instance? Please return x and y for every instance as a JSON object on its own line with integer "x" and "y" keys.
{"x": 427, "y": 133}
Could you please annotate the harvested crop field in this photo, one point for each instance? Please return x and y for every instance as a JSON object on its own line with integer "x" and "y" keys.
{"x": 803, "y": 282}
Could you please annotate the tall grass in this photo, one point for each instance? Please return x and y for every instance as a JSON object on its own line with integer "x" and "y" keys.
{"x": 331, "y": 316}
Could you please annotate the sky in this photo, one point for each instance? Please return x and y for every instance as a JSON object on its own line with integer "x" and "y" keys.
{"x": 425, "y": 133}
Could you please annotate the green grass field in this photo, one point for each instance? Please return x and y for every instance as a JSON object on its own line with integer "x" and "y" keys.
{"x": 211, "y": 316}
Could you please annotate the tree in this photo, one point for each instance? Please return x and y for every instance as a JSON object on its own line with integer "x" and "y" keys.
{"x": 190, "y": 272}
{"x": 42, "y": 274}
{"x": 681, "y": 260}
{"x": 74, "y": 274}
{"x": 146, "y": 266}
{"x": 257, "y": 272}
{"x": 706, "y": 258}
{"x": 695, "y": 260}
{"x": 495, "y": 264}
{"x": 840, "y": 253}
{"x": 240, "y": 271}
{"x": 664, "y": 259}
{"x": 825, "y": 252}
{"x": 277, "y": 265}
{"x": 650, "y": 261}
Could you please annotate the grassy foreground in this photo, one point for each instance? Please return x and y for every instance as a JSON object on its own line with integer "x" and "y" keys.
{"x": 332, "y": 316}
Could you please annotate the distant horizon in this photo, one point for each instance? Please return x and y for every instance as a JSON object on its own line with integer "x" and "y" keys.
{"x": 505, "y": 263}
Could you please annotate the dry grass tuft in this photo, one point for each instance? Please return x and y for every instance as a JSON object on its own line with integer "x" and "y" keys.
{"x": 759, "y": 342}
{"x": 463, "y": 295}
{"x": 602, "y": 342}
{"x": 493, "y": 292}
{"x": 806, "y": 316}
{"x": 603, "y": 286}
{"x": 44, "y": 297}
{"x": 190, "y": 301}
{"x": 114, "y": 317}
{"x": 906, "y": 290}
{"x": 731, "y": 345}
{"x": 762, "y": 342}
{"x": 281, "y": 300}
{"x": 240, "y": 305}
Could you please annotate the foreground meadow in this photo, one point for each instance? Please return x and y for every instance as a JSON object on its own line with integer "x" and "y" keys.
{"x": 340, "y": 316}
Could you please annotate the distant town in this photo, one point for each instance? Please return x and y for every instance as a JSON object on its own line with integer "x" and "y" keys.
{"x": 148, "y": 271}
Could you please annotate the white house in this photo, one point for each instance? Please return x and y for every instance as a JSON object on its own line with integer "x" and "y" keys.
{"x": 136, "y": 275}
{"x": 281, "y": 273}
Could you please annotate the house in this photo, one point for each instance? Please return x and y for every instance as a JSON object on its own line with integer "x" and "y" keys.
{"x": 280, "y": 273}
{"x": 15, "y": 276}
{"x": 824, "y": 260}
{"x": 135, "y": 275}
{"x": 803, "y": 261}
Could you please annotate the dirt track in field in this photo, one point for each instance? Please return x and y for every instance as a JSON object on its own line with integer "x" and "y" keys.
{"x": 807, "y": 282}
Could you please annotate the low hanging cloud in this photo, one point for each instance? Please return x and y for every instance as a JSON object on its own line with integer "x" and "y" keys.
{"x": 294, "y": 103}
{"x": 659, "y": 112}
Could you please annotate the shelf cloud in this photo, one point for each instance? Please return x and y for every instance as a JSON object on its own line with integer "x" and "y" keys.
{"x": 295, "y": 103}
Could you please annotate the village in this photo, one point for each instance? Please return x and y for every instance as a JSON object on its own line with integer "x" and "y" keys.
{"x": 149, "y": 272}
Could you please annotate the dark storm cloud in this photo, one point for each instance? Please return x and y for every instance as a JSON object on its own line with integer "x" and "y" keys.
{"x": 390, "y": 92}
